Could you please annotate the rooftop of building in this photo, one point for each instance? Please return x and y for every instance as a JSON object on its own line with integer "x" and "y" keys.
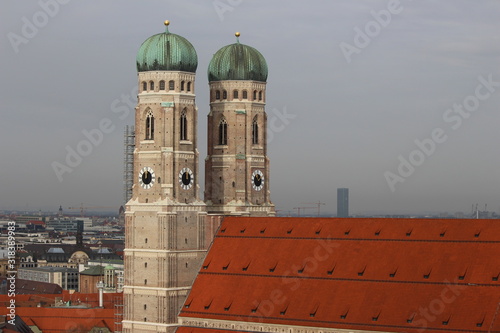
{"x": 107, "y": 261}
{"x": 66, "y": 298}
{"x": 49, "y": 269}
{"x": 96, "y": 270}
{"x": 28, "y": 287}
{"x": 349, "y": 273}
{"x": 67, "y": 319}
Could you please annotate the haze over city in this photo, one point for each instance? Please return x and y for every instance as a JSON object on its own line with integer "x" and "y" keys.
{"x": 395, "y": 100}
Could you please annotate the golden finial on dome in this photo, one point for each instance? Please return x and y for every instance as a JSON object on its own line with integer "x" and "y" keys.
{"x": 237, "y": 34}
{"x": 167, "y": 22}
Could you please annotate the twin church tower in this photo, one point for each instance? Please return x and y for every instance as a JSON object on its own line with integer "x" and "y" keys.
{"x": 168, "y": 228}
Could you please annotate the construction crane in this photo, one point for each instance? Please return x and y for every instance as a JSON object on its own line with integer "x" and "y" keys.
{"x": 302, "y": 208}
{"x": 319, "y": 204}
{"x": 83, "y": 208}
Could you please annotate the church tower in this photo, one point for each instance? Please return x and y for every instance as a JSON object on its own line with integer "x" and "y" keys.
{"x": 165, "y": 218}
{"x": 237, "y": 166}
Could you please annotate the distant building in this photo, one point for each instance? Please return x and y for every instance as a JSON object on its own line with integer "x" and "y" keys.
{"x": 91, "y": 276}
{"x": 65, "y": 255}
{"x": 27, "y": 218}
{"x": 63, "y": 224}
{"x": 4, "y": 259}
{"x": 28, "y": 287}
{"x": 26, "y": 259}
{"x": 342, "y": 202}
{"x": 117, "y": 265}
{"x": 65, "y": 277}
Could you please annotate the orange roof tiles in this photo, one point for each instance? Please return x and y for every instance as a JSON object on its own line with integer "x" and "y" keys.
{"x": 364, "y": 274}
{"x": 52, "y": 320}
{"x": 65, "y": 319}
{"x": 91, "y": 300}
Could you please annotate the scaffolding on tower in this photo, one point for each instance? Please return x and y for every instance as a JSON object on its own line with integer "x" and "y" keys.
{"x": 128, "y": 161}
{"x": 118, "y": 314}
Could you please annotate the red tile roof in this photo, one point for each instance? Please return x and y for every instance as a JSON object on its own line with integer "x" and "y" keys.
{"x": 52, "y": 320}
{"x": 92, "y": 300}
{"x": 65, "y": 319}
{"x": 363, "y": 274}
{"x": 35, "y": 222}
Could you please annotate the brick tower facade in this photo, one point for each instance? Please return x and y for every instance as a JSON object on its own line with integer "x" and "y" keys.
{"x": 165, "y": 218}
{"x": 237, "y": 165}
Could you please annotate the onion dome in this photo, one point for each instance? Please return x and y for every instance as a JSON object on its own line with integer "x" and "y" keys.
{"x": 167, "y": 52}
{"x": 237, "y": 62}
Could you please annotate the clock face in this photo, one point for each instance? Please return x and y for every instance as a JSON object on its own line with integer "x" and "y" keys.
{"x": 146, "y": 177}
{"x": 186, "y": 178}
{"x": 257, "y": 180}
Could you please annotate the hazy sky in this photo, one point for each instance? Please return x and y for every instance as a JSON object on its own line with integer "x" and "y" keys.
{"x": 352, "y": 85}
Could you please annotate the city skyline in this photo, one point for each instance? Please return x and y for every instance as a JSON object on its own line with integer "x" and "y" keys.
{"x": 394, "y": 100}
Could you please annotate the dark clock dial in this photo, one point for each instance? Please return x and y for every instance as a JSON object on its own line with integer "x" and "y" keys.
{"x": 186, "y": 178}
{"x": 146, "y": 177}
{"x": 257, "y": 180}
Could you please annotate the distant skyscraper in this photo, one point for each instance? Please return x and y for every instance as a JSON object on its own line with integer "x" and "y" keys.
{"x": 342, "y": 202}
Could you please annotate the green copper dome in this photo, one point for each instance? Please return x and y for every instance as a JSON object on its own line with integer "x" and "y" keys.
{"x": 237, "y": 62}
{"x": 167, "y": 52}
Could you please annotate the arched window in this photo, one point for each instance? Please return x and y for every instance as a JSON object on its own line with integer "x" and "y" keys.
{"x": 189, "y": 86}
{"x": 260, "y": 95}
{"x": 182, "y": 85}
{"x": 162, "y": 85}
{"x": 183, "y": 125}
{"x": 224, "y": 94}
{"x": 254, "y": 95}
{"x": 151, "y": 85}
{"x": 217, "y": 94}
{"x": 223, "y": 132}
{"x": 235, "y": 94}
{"x": 150, "y": 125}
{"x": 171, "y": 85}
{"x": 245, "y": 94}
{"x": 255, "y": 131}
{"x": 144, "y": 86}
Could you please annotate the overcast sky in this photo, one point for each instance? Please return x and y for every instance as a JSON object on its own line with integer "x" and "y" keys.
{"x": 352, "y": 85}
